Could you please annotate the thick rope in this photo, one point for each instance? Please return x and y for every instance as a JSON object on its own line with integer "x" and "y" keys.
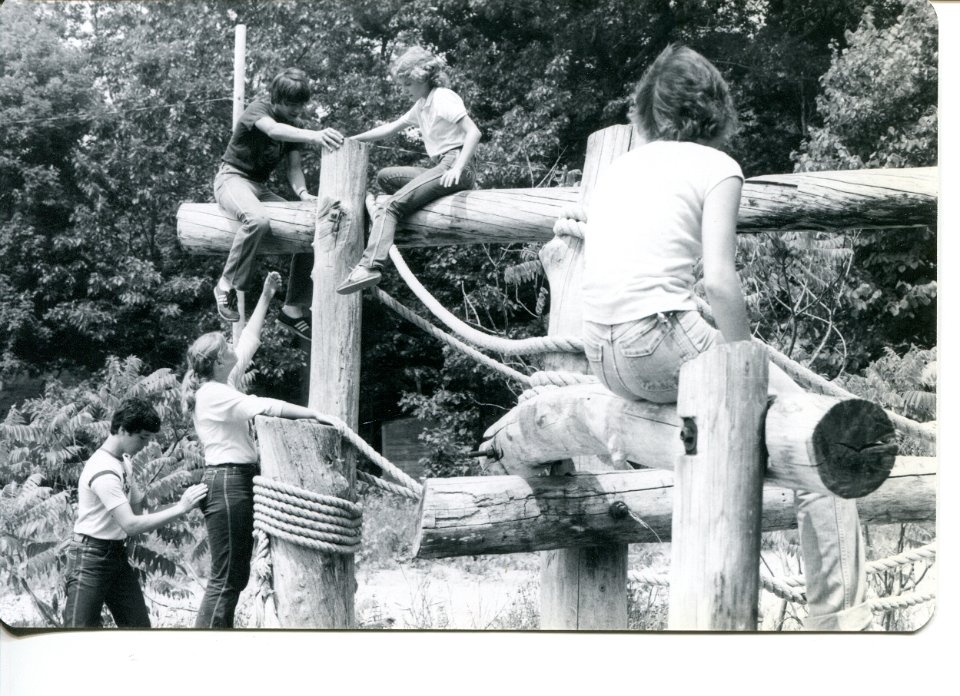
{"x": 811, "y": 381}
{"x": 451, "y": 341}
{"x": 496, "y": 344}
{"x": 322, "y": 522}
{"x": 386, "y": 466}
{"x": 387, "y": 486}
{"x": 263, "y": 572}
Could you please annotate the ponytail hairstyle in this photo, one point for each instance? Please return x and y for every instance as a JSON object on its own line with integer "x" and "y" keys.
{"x": 202, "y": 355}
{"x": 290, "y": 86}
{"x": 682, "y": 96}
{"x": 420, "y": 65}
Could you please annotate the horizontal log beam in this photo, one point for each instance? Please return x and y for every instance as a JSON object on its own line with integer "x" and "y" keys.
{"x": 865, "y": 199}
{"x": 469, "y": 516}
{"x": 814, "y": 442}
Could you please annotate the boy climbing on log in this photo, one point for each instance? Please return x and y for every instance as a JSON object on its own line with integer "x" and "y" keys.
{"x": 450, "y": 137}
{"x": 267, "y": 133}
{"x": 654, "y": 211}
{"x": 222, "y": 413}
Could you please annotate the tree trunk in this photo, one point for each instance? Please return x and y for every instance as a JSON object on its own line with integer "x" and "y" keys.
{"x": 311, "y": 589}
{"x": 476, "y": 515}
{"x": 580, "y": 588}
{"x": 715, "y": 553}
{"x": 819, "y": 443}
{"x": 813, "y": 201}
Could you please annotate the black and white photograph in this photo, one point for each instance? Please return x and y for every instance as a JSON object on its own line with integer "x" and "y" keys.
{"x": 594, "y": 317}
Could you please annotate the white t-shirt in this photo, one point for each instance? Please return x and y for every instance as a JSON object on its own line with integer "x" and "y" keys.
{"x": 438, "y": 116}
{"x": 643, "y": 231}
{"x": 222, "y": 413}
{"x": 102, "y": 488}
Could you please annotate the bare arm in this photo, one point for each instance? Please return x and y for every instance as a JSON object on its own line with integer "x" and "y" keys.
{"x": 295, "y": 412}
{"x": 270, "y": 287}
{"x": 328, "y": 137}
{"x": 719, "y": 260}
{"x": 471, "y": 137}
{"x": 133, "y": 523}
{"x": 295, "y": 176}
{"x": 381, "y": 132}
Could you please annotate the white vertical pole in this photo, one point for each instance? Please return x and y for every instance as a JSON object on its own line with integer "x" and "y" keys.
{"x": 239, "y": 72}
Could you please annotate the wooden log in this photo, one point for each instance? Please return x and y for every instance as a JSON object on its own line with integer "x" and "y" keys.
{"x": 814, "y": 442}
{"x": 335, "y": 349}
{"x": 477, "y": 515}
{"x": 856, "y": 199}
{"x": 311, "y": 589}
{"x": 715, "y": 552}
{"x": 580, "y": 588}
{"x": 203, "y": 228}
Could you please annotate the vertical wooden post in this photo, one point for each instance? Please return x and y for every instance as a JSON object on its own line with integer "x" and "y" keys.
{"x": 581, "y": 588}
{"x": 335, "y": 359}
{"x": 718, "y": 489}
{"x": 310, "y": 589}
{"x": 239, "y": 89}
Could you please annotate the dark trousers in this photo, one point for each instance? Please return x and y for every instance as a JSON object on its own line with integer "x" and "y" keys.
{"x": 242, "y": 198}
{"x": 228, "y": 512}
{"x": 98, "y": 573}
{"x": 411, "y": 188}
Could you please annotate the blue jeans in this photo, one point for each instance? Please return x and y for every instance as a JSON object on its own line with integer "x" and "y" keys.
{"x": 228, "y": 513}
{"x": 411, "y": 189}
{"x": 241, "y": 197}
{"x": 98, "y": 573}
{"x": 641, "y": 359}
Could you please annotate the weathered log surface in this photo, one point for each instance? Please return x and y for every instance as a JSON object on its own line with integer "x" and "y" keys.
{"x": 470, "y": 516}
{"x": 580, "y": 588}
{"x": 311, "y": 589}
{"x": 589, "y": 419}
{"x": 865, "y": 198}
{"x": 718, "y": 488}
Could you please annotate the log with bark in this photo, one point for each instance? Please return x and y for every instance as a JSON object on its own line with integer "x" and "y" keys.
{"x": 864, "y": 199}
{"x": 475, "y": 515}
{"x": 814, "y": 442}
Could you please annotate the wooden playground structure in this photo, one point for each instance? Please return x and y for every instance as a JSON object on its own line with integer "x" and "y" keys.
{"x": 718, "y": 468}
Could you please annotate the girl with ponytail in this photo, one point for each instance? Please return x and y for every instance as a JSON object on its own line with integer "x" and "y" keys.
{"x": 450, "y": 137}
{"x": 211, "y": 392}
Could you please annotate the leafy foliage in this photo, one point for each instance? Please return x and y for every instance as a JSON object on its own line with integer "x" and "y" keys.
{"x": 47, "y": 440}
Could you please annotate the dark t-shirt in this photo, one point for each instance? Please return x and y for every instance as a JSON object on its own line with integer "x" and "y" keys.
{"x": 251, "y": 150}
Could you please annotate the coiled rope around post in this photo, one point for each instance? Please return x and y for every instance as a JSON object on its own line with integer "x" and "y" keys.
{"x": 313, "y": 520}
{"x": 811, "y": 381}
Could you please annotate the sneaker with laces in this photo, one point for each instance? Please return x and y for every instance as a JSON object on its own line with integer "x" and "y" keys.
{"x": 360, "y": 277}
{"x": 299, "y": 326}
{"x": 226, "y": 303}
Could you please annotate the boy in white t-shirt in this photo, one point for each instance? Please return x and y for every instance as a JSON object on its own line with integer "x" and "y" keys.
{"x": 654, "y": 212}
{"x": 450, "y": 137}
{"x": 109, "y": 509}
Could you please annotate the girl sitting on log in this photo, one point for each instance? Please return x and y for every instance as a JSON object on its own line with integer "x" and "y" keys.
{"x": 222, "y": 416}
{"x": 267, "y": 133}
{"x": 450, "y": 137}
{"x": 652, "y": 213}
